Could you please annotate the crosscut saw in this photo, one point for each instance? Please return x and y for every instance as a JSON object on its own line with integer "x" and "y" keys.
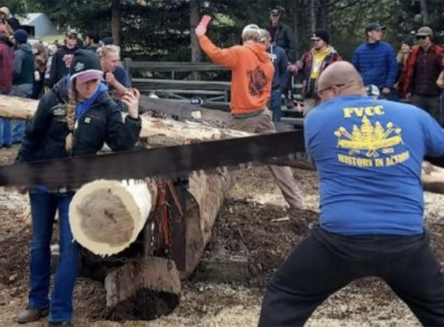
{"x": 166, "y": 162}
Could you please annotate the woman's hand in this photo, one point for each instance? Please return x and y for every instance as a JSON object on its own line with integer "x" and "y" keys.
{"x": 131, "y": 100}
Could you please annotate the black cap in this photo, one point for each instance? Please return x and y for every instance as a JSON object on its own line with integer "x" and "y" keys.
{"x": 108, "y": 41}
{"x": 374, "y": 26}
{"x": 321, "y": 34}
{"x": 85, "y": 61}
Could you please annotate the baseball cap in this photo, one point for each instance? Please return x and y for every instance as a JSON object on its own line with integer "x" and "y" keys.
{"x": 275, "y": 12}
{"x": 89, "y": 76}
{"x": 373, "y": 27}
{"x": 372, "y": 90}
{"x": 85, "y": 66}
{"x": 251, "y": 28}
{"x": 71, "y": 32}
{"x": 424, "y": 31}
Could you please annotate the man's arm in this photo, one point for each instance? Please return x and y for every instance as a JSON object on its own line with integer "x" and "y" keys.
{"x": 392, "y": 68}
{"x": 225, "y": 57}
{"x": 355, "y": 59}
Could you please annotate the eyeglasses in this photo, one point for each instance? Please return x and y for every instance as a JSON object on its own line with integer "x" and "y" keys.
{"x": 342, "y": 87}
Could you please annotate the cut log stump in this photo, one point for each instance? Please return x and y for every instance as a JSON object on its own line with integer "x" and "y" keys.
{"x": 142, "y": 290}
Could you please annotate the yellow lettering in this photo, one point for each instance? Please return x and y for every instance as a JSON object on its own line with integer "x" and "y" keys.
{"x": 379, "y": 110}
{"x": 356, "y": 162}
{"x": 361, "y": 111}
{"x": 379, "y": 162}
{"x": 348, "y": 112}
{"x": 397, "y": 159}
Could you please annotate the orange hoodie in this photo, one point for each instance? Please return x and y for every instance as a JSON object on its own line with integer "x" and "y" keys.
{"x": 252, "y": 73}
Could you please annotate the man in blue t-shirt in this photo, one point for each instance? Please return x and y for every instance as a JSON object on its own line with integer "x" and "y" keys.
{"x": 368, "y": 154}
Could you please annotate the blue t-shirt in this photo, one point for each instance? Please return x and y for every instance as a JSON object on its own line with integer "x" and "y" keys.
{"x": 368, "y": 154}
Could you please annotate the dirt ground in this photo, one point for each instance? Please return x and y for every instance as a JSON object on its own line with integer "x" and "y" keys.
{"x": 246, "y": 226}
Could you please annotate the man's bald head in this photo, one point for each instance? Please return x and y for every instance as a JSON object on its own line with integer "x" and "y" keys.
{"x": 341, "y": 78}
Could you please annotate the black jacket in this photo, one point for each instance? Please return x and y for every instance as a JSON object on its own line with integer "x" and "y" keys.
{"x": 283, "y": 36}
{"x": 102, "y": 122}
{"x": 58, "y": 67}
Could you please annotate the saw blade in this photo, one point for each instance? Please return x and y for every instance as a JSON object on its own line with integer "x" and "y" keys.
{"x": 166, "y": 162}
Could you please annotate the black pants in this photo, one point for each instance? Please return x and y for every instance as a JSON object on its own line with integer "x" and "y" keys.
{"x": 325, "y": 262}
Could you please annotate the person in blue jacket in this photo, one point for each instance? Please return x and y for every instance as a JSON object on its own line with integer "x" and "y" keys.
{"x": 281, "y": 74}
{"x": 375, "y": 60}
{"x": 368, "y": 154}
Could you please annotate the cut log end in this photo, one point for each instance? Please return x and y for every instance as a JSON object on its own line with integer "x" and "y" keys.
{"x": 104, "y": 218}
{"x": 107, "y": 216}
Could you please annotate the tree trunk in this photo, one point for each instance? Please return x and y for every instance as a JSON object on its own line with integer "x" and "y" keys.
{"x": 196, "y": 54}
{"x": 116, "y": 21}
{"x": 313, "y": 6}
{"x": 424, "y": 12}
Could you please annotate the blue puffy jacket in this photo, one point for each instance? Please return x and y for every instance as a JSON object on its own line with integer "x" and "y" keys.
{"x": 376, "y": 62}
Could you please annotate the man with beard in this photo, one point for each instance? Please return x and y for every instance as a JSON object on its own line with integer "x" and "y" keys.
{"x": 92, "y": 41}
{"x": 311, "y": 65}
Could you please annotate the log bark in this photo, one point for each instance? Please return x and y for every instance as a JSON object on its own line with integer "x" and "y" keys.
{"x": 107, "y": 216}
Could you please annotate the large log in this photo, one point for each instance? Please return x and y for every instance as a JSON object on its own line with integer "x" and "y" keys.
{"x": 106, "y": 216}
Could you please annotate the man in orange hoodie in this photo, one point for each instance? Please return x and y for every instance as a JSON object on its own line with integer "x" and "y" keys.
{"x": 252, "y": 75}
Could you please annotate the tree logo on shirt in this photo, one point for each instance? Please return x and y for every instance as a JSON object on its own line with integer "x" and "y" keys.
{"x": 370, "y": 143}
{"x": 257, "y": 81}
{"x": 370, "y": 138}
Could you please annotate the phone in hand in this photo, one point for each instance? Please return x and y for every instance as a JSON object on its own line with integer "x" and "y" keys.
{"x": 206, "y": 19}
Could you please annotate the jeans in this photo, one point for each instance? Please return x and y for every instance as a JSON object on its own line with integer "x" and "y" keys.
{"x": 43, "y": 209}
{"x": 325, "y": 262}
{"x": 5, "y": 132}
{"x": 19, "y": 126}
{"x": 276, "y": 105}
